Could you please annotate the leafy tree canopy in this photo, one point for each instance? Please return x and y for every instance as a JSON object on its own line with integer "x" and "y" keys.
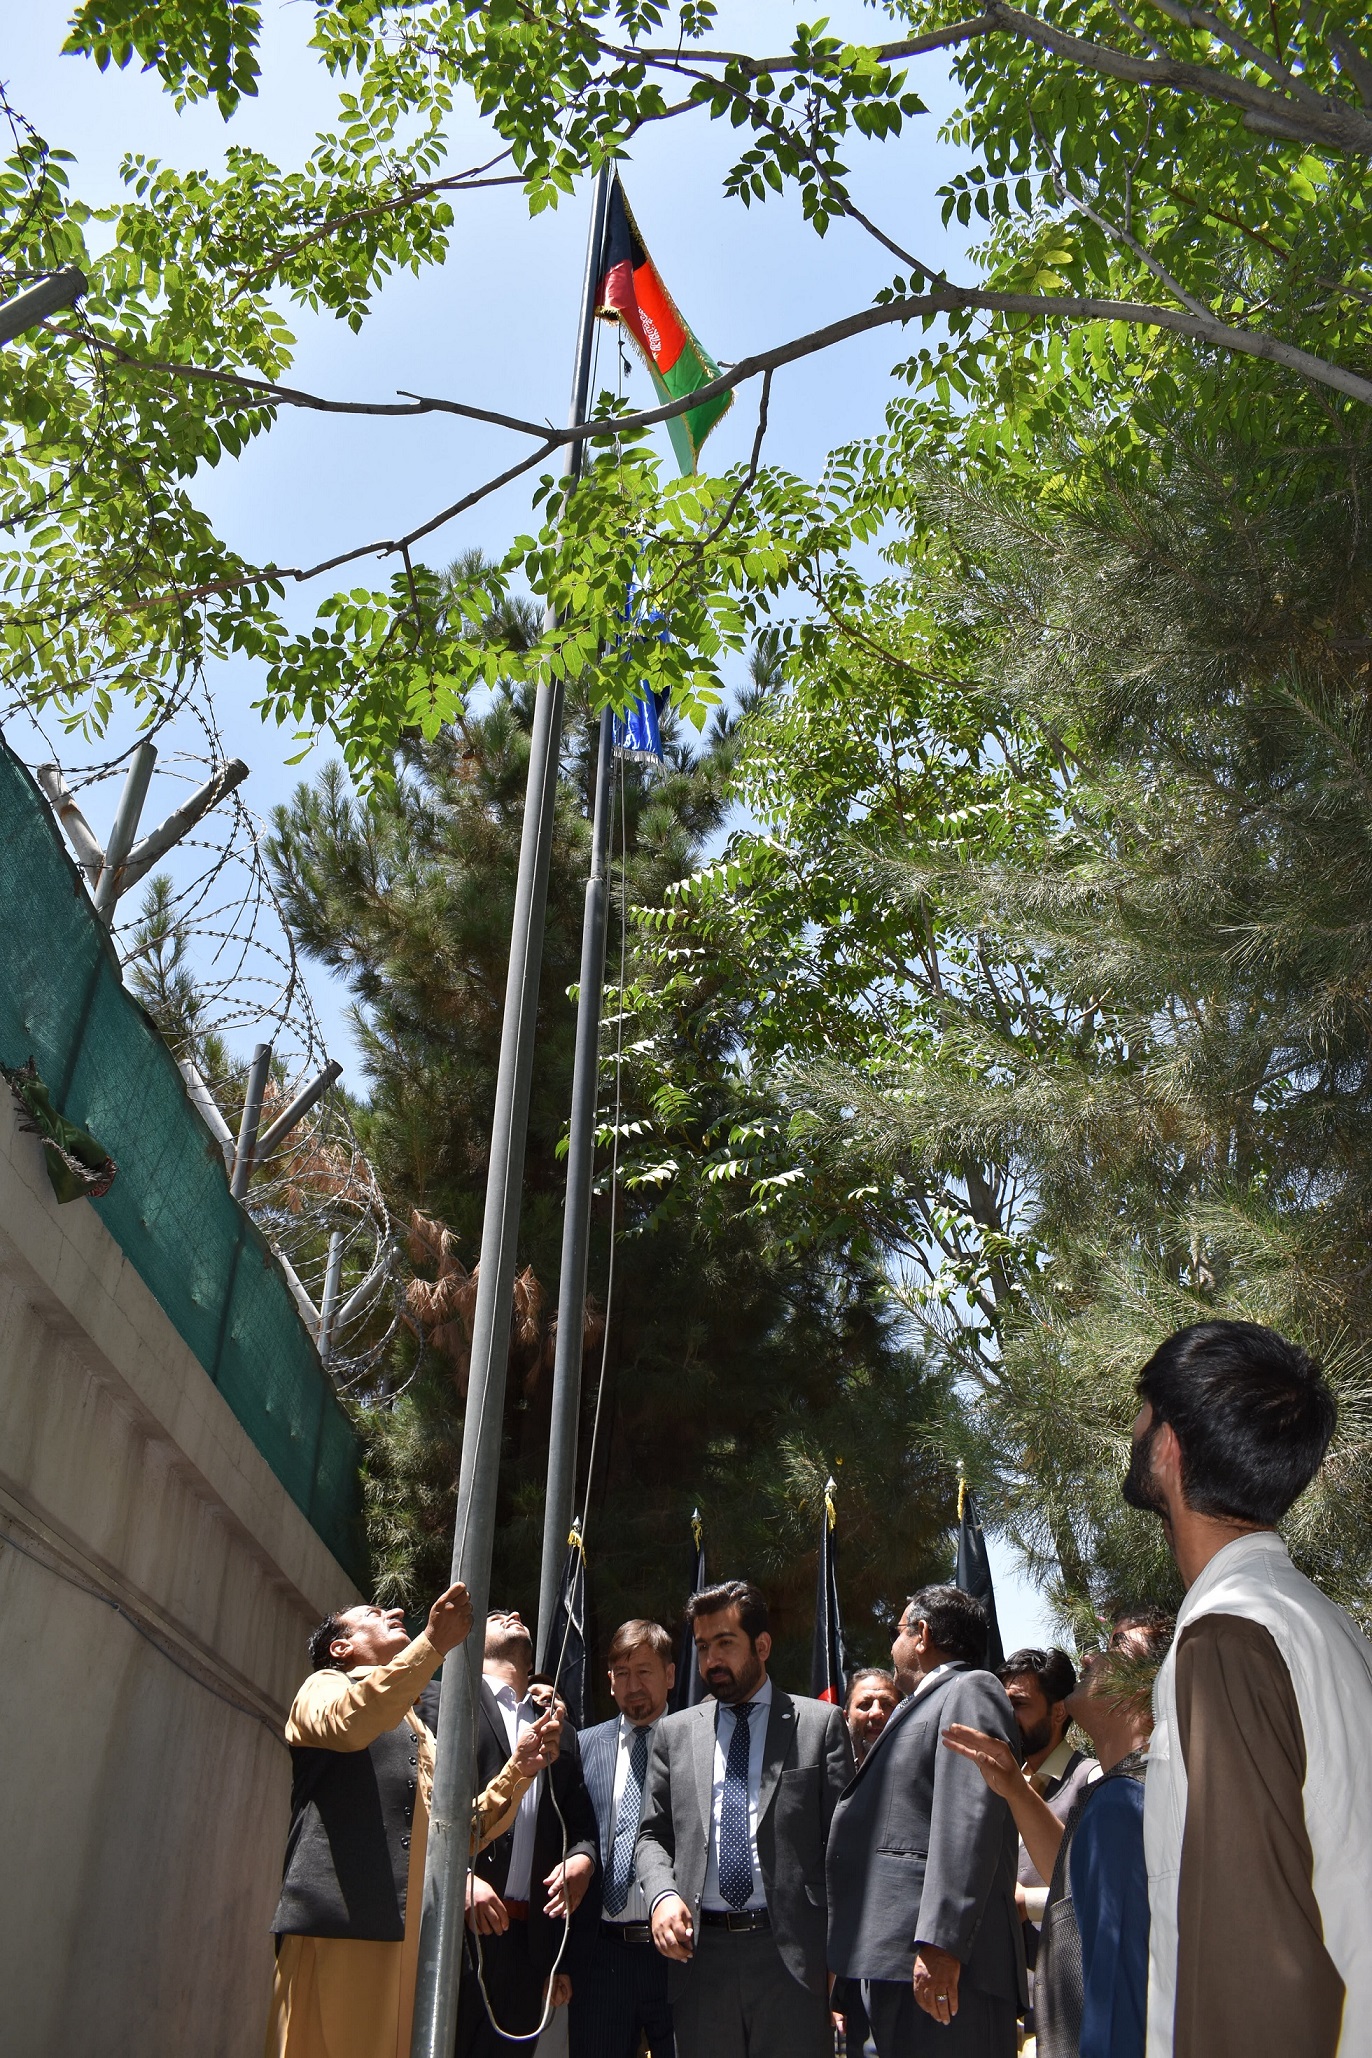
{"x": 1178, "y": 192}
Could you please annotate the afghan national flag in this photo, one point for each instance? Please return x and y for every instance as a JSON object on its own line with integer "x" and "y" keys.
{"x": 828, "y": 1663}
{"x": 631, "y": 291}
{"x": 974, "y": 1571}
{"x": 689, "y": 1687}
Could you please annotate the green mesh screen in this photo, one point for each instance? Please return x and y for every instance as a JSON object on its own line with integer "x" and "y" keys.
{"x": 170, "y": 1209}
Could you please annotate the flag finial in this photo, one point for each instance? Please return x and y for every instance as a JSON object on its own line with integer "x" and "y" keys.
{"x": 830, "y": 1489}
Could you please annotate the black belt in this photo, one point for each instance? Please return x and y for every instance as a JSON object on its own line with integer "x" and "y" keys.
{"x": 628, "y": 1932}
{"x": 735, "y": 1918}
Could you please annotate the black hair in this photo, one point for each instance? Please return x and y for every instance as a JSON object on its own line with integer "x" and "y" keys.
{"x": 956, "y": 1621}
{"x": 732, "y": 1593}
{"x": 1053, "y": 1669}
{"x": 1252, "y": 1413}
{"x": 321, "y": 1657}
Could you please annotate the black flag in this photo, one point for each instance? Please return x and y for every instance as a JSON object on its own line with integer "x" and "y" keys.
{"x": 828, "y": 1670}
{"x": 566, "y": 1649}
{"x": 690, "y": 1687}
{"x": 974, "y": 1571}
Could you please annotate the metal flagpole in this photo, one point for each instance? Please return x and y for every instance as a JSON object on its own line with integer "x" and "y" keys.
{"x": 445, "y": 1869}
{"x": 576, "y": 1215}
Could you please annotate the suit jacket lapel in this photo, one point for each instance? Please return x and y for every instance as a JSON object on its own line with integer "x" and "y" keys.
{"x": 495, "y": 1722}
{"x": 598, "y": 1752}
{"x": 704, "y": 1740}
{"x": 781, "y": 1728}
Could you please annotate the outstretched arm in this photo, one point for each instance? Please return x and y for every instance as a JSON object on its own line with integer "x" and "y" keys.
{"x": 335, "y": 1713}
{"x": 1000, "y": 1768}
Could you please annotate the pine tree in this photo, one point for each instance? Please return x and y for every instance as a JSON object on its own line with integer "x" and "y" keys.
{"x": 1056, "y": 938}
{"x": 738, "y": 1371}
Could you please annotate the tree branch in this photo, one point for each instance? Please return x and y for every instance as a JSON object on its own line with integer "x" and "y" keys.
{"x": 947, "y": 299}
{"x": 1299, "y": 114}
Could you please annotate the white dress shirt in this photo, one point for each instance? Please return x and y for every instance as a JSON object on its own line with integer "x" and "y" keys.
{"x": 519, "y": 1716}
{"x": 635, "y": 1909}
{"x": 725, "y": 1720}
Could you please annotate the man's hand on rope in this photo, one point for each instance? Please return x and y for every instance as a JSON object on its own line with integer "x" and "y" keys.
{"x": 538, "y": 1746}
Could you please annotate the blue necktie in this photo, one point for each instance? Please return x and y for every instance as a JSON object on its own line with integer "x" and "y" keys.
{"x": 626, "y": 1827}
{"x": 735, "y": 1845}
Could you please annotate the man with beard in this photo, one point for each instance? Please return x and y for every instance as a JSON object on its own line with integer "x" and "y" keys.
{"x": 527, "y": 1884}
{"x": 741, "y": 1792}
{"x": 922, "y": 1855}
{"x": 621, "y": 1990}
{"x": 1038, "y": 1685}
{"x": 1258, "y": 1808}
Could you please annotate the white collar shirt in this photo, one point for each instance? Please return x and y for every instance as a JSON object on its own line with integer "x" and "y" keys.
{"x": 635, "y": 1909}
{"x": 725, "y": 1721}
{"x": 518, "y": 1716}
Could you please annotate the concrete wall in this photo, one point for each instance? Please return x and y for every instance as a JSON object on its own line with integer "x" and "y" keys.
{"x": 156, "y": 1586}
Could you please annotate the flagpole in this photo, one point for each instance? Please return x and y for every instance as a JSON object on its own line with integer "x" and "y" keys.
{"x": 445, "y": 1869}
{"x": 576, "y": 1210}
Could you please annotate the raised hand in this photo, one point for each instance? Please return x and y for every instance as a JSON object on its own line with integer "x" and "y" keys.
{"x": 450, "y": 1619}
{"x": 994, "y": 1759}
{"x": 538, "y": 1746}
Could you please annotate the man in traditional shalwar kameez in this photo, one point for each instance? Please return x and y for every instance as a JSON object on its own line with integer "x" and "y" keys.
{"x": 347, "y": 1925}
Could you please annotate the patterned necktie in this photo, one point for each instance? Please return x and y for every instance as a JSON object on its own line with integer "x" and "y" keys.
{"x": 735, "y": 1847}
{"x": 626, "y": 1827}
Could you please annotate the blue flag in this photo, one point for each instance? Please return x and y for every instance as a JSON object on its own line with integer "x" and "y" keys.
{"x": 638, "y": 733}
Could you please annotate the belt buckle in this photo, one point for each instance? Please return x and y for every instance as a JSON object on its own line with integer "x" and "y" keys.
{"x": 740, "y": 1919}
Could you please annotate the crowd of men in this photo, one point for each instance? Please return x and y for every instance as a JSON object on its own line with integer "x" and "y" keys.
{"x": 935, "y": 1868}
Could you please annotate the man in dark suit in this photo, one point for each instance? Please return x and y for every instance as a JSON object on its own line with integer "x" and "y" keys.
{"x": 525, "y": 1886}
{"x": 921, "y": 1863}
{"x": 741, "y": 1792}
{"x": 620, "y": 1990}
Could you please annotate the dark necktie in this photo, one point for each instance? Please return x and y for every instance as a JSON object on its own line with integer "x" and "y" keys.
{"x": 626, "y": 1827}
{"x": 735, "y": 1845}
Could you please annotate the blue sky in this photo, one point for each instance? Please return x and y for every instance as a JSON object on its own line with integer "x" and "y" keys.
{"x": 495, "y": 326}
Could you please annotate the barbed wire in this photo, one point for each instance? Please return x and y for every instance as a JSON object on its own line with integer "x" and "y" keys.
{"x": 205, "y": 947}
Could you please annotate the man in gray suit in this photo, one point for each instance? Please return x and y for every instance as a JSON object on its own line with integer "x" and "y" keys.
{"x": 741, "y": 1792}
{"x": 921, "y": 1869}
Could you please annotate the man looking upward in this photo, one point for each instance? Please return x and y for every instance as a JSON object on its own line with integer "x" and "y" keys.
{"x": 347, "y": 1925}
{"x": 1258, "y": 1808}
{"x": 523, "y": 1889}
{"x": 621, "y": 1987}
{"x": 741, "y": 1791}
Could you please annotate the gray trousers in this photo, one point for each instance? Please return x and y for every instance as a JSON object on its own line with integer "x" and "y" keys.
{"x": 738, "y": 2000}
{"x": 984, "y": 2026}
